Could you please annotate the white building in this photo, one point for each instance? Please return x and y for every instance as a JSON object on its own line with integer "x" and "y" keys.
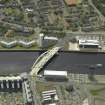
{"x": 40, "y": 40}
{"x": 27, "y": 94}
{"x": 47, "y": 96}
{"x": 26, "y": 44}
{"x": 52, "y": 104}
{"x": 85, "y": 102}
{"x": 55, "y": 75}
{"x": 8, "y": 44}
{"x": 29, "y": 10}
{"x": 9, "y": 82}
{"x": 46, "y": 41}
{"x": 89, "y": 44}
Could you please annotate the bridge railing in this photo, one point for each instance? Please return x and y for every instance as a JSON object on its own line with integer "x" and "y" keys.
{"x": 43, "y": 59}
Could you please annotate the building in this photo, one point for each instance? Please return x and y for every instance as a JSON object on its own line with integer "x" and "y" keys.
{"x": 45, "y": 41}
{"x": 27, "y": 93}
{"x": 15, "y": 83}
{"x": 10, "y": 82}
{"x": 49, "y": 41}
{"x": 72, "y": 2}
{"x": 85, "y": 102}
{"x": 26, "y": 44}
{"x": 8, "y": 44}
{"x": 55, "y": 75}
{"x": 40, "y": 40}
{"x": 89, "y": 44}
{"x": 49, "y": 97}
{"x": 52, "y": 104}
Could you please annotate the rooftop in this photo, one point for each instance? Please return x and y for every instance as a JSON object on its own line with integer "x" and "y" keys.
{"x": 71, "y": 2}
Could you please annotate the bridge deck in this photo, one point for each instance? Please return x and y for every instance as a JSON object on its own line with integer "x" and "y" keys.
{"x": 39, "y": 65}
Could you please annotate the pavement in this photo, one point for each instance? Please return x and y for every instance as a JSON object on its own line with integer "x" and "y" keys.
{"x": 73, "y": 47}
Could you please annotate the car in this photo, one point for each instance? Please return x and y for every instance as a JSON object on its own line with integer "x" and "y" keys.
{"x": 99, "y": 65}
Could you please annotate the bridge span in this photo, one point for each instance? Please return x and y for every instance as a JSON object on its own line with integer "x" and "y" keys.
{"x": 42, "y": 60}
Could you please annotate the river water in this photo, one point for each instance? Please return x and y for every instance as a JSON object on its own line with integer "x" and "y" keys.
{"x": 75, "y": 62}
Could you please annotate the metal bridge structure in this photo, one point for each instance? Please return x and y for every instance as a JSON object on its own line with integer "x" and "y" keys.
{"x": 42, "y": 60}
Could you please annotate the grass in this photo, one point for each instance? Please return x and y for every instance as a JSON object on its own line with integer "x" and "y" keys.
{"x": 96, "y": 92}
{"x": 100, "y": 4}
{"x": 44, "y": 87}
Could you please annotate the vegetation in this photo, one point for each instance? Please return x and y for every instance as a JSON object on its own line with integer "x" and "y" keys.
{"x": 97, "y": 91}
{"x": 100, "y": 4}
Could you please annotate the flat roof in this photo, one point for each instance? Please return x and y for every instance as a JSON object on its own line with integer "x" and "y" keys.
{"x": 53, "y": 38}
{"x": 52, "y": 104}
{"x": 88, "y": 42}
{"x": 53, "y": 72}
{"x": 10, "y": 78}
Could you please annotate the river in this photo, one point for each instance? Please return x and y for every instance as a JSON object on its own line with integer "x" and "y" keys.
{"x": 75, "y": 62}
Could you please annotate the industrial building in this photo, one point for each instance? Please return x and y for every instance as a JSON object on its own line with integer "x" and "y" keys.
{"x": 55, "y": 75}
{"x": 14, "y": 83}
{"x": 89, "y": 44}
{"x": 52, "y": 104}
{"x": 10, "y": 83}
{"x": 45, "y": 41}
{"x": 49, "y": 97}
{"x": 27, "y": 93}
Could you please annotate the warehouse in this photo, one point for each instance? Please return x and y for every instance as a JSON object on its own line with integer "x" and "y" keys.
{"x": 49, "y": 97}
{"x": 27, "y": 93}
{"x": 10, "y": 82}
{"x": 55, "y": 75}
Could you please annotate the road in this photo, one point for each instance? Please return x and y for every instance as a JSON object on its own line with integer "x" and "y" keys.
{"x": 15, "y": 25}
{"x": 85, "y": 33}
{"x": 35, "y": 94}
